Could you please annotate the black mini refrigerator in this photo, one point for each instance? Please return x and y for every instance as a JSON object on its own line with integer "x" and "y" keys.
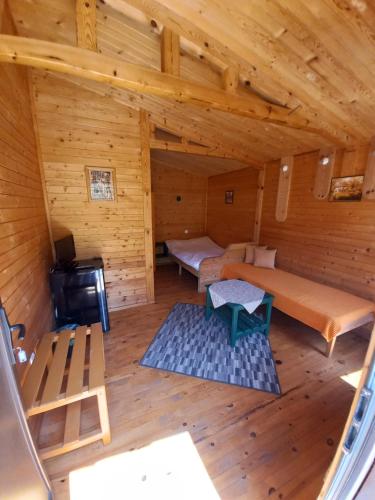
{"x": 79, "y": 294}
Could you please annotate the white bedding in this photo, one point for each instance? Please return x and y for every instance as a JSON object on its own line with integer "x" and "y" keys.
{"x": 193, "y": 251}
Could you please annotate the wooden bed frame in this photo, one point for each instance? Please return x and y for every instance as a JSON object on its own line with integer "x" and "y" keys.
{"x": 210, "y": 268}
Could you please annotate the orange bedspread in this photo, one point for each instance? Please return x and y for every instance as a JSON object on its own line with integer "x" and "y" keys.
{"x": 326, "y": 309}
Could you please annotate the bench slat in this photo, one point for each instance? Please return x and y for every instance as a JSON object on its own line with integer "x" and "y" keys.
{"x": 77, "y": 364}
{"x": 96, "y": 373}
{"x": 34, "y": 377}
{"x": 56, "y": 372}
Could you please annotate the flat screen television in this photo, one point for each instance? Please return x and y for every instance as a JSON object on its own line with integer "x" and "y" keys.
{"x": 65, "y": 250}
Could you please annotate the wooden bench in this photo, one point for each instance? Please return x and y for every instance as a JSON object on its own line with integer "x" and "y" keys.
{"x": 53, "y": 381}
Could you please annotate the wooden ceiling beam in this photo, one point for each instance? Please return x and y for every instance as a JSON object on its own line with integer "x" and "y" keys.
{"x": 179, "y": 147}
{"x": 104, "y": 69}
{"x": 185, "y": 19}
{"x": 170, "y": 52}
{"x": 86, "y": 24}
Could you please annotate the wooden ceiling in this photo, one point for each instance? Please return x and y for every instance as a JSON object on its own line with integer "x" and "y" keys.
{"x": 205, "y": 166}
{"x": 316, "y": 58}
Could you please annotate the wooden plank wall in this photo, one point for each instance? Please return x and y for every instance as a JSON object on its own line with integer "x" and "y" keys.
{"x": 25, "y": 250}
{"x": 172, "y": 218}
{"x": 79, "y": 128}
{"x": 232, "y": 223}
{"x": 330, "y": 242}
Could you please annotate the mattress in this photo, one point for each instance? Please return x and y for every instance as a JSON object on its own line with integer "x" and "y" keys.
{"x": 326, "y": 309}
{"x": 193, "y": 251}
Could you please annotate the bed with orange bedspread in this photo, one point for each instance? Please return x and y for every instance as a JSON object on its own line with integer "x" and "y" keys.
{"x": 326, "y": 309}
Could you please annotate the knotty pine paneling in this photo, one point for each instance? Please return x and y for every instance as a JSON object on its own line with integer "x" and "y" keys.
{"x": 172, "y": 218}
{"x": 79, "y": 128}
{"x": 25, "y": 251}
{"x": 330, "y": 242}
{"x": 232, "y": 223}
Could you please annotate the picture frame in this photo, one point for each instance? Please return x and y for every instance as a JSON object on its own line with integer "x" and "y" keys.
{"x": 101, "y": 184}
{"x": 229, "y": 197}
{"x": 348, "y": 188}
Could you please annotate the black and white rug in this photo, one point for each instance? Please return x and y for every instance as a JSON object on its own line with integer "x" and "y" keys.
{"x": 189, "y": 344}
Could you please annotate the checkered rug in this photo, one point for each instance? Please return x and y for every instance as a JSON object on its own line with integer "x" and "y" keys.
{"x": 189, "y": 344}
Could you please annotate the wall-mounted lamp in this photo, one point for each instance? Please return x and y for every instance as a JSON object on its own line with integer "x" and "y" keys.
{"x": 284, "y": 168}
{"x": 324, "y": 160}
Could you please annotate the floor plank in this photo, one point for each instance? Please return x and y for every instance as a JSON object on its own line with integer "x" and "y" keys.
{"x": 253, "y": 444}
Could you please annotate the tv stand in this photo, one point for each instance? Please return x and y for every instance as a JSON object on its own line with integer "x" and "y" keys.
{"x": 79, "y": 294}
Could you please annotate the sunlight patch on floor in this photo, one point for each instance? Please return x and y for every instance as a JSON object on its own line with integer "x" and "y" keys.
{"x": 352, "y": 378}
{"x": 169, "y": 468}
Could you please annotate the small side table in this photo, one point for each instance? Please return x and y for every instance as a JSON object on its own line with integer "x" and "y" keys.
{"x": 240, "y": 321}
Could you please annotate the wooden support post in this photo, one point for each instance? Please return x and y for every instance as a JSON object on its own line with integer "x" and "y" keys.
{"x": 330, "y": 346}
{"x": 170, "y": 52}
{"x": 147, "y": 204}
{"x": 230, "y": 79}
{"x": 259, "y": 205}
{"x": 86, "y": 24}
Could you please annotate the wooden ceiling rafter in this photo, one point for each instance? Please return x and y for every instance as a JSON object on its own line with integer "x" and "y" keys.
{"x": 135, "y": 37}
{"x": 208, "y": 46}
{"x": 304, "y": 89}
{"x": 115, "y": 72}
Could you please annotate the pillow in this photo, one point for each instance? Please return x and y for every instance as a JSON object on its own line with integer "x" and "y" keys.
{"x": 264, "y": 258}
{"x": 249, "y": 256}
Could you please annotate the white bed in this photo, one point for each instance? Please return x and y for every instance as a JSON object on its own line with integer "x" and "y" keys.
{"x": 192, "y": 252}
{"x": 203, "y": 258}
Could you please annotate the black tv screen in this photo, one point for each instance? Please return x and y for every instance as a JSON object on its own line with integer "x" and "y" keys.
{"x": 65, "y": 249}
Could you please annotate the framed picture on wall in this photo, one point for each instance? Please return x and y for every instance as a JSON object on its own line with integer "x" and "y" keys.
{"x": 101, "y": 183}
{"x": 229, "y": 195}
{"x": 346, "y": 188}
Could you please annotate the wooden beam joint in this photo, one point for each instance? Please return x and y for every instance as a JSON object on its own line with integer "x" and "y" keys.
{"x": 170, "y": 52}
{"x": 230, "y": 79}
{"x": 86, "y": 24}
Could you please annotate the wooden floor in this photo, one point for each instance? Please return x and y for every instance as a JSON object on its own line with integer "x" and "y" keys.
{"x": 253, "y": 445}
